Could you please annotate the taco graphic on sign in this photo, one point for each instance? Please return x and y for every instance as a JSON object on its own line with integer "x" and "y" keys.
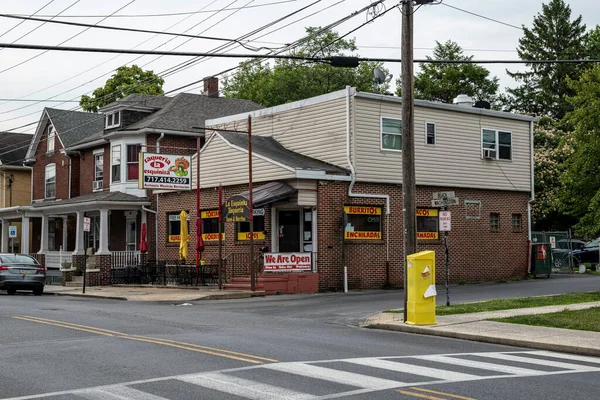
{"x": 181, "y": 167}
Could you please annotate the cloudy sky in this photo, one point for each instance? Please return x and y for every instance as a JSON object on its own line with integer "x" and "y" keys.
{"x": 67, "y": 76}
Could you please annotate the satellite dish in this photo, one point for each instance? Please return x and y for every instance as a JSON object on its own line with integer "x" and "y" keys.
{"x": 379, "y": 76}
{"x": 483, "y": 104}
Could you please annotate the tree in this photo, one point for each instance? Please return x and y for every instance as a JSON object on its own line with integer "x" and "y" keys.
{"x": 125, "y": 81}
{"x": 543, "y": 90}
{"x": 290, "y": 80}
{"x": 443, "y": 82}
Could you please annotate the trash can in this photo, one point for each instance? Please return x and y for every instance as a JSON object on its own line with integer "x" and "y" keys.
{"x": 541, "y": 259}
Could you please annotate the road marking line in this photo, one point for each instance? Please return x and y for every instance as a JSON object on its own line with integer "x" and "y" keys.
{"x": 507, "y": 369}
{"x": 566, "y": 356}
{"x": 334, "y": 375}
{"x": 442, "y": 393}
{"x": 65, "y": 326}
{"x": 243, "y": 387}
{"x": 118, "y": 393}
{"x": 422, "y": 396}
{"x": 412, "y": 369}
{"x": 537, "y": 361}
{"x": 77, "y": 325}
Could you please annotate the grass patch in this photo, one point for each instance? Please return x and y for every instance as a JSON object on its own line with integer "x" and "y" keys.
{"x": 509, "y": 304}
{"x": 583, "y": 320}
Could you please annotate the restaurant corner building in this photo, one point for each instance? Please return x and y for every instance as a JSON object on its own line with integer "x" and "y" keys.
{"x": 327, "y": 178}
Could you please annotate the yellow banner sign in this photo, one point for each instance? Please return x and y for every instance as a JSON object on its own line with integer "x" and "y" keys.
{"x": 176, "y": 238}
{"x": 212, "y": 237}
{"x": 246, "y": 236}
{"x": 427, "y": 212}
{"x": 427, "y": 235}
{"x": 362, "y": 210}
{"x": 209, "y": 214}
{"x": 354, "y": 235}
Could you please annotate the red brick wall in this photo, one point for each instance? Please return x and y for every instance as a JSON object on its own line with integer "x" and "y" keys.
{"x": 43, "y": 159}
{"x": 87, "y": 170}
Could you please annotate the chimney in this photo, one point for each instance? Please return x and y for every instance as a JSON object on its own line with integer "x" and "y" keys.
{"x": 211, "y": 86}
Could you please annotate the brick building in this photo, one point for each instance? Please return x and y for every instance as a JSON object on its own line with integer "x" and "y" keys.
{"x": 336, "y": 162}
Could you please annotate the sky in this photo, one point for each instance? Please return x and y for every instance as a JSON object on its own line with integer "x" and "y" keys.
{"x": 69, "y": 75}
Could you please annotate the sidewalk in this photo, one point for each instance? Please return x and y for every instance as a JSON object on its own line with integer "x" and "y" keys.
{"x": 474, "y": 326}
{"x": 150, "y": 293}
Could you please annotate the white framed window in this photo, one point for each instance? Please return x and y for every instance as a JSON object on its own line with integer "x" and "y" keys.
{"x": 51, "y": 139}
{"x": 430, "y": 133}
{"x": 132, "y": 162}
{"x": 115, "y": 163}
{"x": 496, "y": 144}
{"x": 98, "y": 166}
{"x": 113, "y": 120}
{"x": 391, "y": 134}
{"x": 50, "y": 181}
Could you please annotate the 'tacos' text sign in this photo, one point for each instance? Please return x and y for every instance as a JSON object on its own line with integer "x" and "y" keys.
{"x": 293, "y": 262}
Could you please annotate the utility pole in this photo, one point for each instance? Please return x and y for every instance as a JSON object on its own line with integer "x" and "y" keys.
{"x": 409, "y": 186}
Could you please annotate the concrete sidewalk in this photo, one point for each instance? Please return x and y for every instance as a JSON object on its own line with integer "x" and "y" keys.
{"x": 152, "y": 293}
{"x": 475, "y": 326}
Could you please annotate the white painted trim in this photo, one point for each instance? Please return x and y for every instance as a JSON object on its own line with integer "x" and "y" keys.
{"x": 88, "y": 145}
{"x": 113, "y": 125}
{"x": 57, "y": 133}
{"x": 434, "y": 134}
{"x": 68, "y": 269}
{"x": 36, "y": 137}
{"x": 112, "y": 146}
{"x": 320, "y": 175}
{"x": 381, "y": 133}
{"x": 126, "y": 132}
{"x": 46, "y": 181}
{"x": 99, "y": 151}
{"x": 280, "y": 108}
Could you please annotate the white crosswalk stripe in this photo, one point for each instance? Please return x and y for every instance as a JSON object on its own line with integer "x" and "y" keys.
{"x": 572, "y": 357}
{"x": 243, "y": 387}
{"x": 412, "y": 369}
{"x": 548, "y": 363}
{"x": 507, "y": 369}
{"x": 118, "y": 393}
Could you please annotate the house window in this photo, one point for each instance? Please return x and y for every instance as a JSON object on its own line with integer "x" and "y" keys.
{"x": 243, "y": 228}
{"x": 115, "y": 163}
{"x": 430, "y": 133}
{"x": 132, "y": 162}
{"x": 113, "y": 120}
{"x": 50, "y": 179}
{"x": 427, "y": 224}
{"x": 51, "y": 139}
{"x": 210, "y": 226}
{"x": 496, "y": 144}
{"x": 517, "y": 223}
{"x": 391, "y": 134}
{"x": 174, "y": 226}
{"x": 494, "y": 222}
{"x": 362, "y": 223}
{"x": 98, "y": 167}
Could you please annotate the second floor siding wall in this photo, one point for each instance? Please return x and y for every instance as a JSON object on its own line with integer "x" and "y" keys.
{"x": 21, "y": 187}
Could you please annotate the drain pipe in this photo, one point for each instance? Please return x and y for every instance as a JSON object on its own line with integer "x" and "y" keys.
{"x": 161, "y": 137}
{"x": 364, "y": 195}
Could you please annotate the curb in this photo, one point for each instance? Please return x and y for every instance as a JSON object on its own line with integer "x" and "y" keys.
{"x": 87, "y": 295}
{"x": 233, "y": 296}
{"x": 486, "y": 339}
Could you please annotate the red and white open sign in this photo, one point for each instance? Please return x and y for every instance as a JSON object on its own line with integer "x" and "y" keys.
{"x": 292, "y": 262}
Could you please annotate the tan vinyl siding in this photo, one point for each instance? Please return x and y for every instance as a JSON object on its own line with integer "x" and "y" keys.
{"x": 307, "y": 191}
{"x": 221, "y": 164}
{"x": 455, "y": 160}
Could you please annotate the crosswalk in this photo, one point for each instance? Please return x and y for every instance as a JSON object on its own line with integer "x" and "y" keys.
{"x": 329, "y": 379}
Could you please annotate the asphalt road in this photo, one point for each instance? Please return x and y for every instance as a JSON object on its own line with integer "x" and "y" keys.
{"x": 282, "y": 347}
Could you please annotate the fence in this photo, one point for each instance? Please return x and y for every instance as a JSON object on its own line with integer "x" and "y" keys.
{"x": 123, "y": 259}
{"x": 166, "y": 273}
{"x": 561, "y": 246}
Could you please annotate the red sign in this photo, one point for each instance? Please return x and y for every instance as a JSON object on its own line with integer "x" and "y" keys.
{"x": 542, "y": 252}
{"x": 293, "y": 262}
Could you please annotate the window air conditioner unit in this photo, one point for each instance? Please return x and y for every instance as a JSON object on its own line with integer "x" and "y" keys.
{"x": 97, "y": 185}
{"x": 489, "y": 154}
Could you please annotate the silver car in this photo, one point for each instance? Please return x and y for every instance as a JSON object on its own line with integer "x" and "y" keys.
{"x": 21, "y": 272}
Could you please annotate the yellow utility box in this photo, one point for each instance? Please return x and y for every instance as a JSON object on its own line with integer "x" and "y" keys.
{"x": 420, "y": 308}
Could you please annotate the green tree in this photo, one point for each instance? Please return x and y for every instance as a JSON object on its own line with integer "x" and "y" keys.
{"x": 125, "y": 81}
{"x": 443, "y": 82}
{"x": 290, "y": 80}
{"x": 543, "y": 90}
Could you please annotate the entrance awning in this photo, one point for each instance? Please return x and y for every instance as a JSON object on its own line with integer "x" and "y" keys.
{"x": 270, "y": 193}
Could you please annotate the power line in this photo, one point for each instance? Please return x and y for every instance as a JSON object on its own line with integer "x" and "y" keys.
{"x": 39, "y": 101}
{"x": 22, "y": 22}
{"x": 483, "y": 16}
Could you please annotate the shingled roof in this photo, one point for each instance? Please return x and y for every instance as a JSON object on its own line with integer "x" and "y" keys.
{"x": 75, "y": 126}
{"x": 14, "y": 147}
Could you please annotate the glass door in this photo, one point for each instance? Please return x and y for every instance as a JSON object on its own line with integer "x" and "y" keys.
{"x": 289, "y": 231}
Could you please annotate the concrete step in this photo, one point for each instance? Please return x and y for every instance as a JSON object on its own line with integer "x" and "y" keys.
{"x": 241, "y": 286}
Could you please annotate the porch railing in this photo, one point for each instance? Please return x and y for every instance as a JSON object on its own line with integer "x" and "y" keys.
{"x": 123, "y": 259}
{"x": 167, "y": 273}
{"x": 54, "y": 259}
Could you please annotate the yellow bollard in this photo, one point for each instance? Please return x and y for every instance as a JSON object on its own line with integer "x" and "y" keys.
{"x": 420, "y": 308}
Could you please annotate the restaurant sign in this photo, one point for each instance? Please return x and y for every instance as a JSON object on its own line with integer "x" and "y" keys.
{"x": 291, "y": 262}
{"x": 367, "y": 221}
{"x": 236, "y": 209}
{"x": 165, "y": 172}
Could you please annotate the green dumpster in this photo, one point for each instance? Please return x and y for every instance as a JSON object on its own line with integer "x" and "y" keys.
{"x": 541, "y": 259}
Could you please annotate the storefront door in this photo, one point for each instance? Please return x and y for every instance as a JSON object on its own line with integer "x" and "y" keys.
{"x": 289, "y": 231}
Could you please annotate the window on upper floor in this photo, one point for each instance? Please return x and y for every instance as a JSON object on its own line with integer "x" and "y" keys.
{"x": 51, "y": 139}
{"x": 132, "y": 162}
{"x": 496, "y": 145}
{"x": 391, "y": 134}
{"x": 115, "y": 163}
{"x": 113, "y": 120}
{"x": 494, "y": 222}
{"x": 98, "y": 169}
{"x": 430, "y": 133}
{"x": 50, "y": 181}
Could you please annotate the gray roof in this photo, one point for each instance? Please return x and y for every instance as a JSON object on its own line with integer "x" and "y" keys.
{"x": 14, "y": 147}
{"x": 75, "y": 126}
{"x": 272, "y": 149}
{"x": 104, "y": 196}
{"x": 142, "y": 100}
{"x": 186, "y": 111}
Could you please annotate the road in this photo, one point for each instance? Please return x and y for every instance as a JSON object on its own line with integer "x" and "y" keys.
{"x": 282, "y": 347}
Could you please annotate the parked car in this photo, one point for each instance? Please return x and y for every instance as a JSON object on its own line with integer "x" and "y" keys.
{"x": 587, "y": 254}
{"x": 21, "y": 272}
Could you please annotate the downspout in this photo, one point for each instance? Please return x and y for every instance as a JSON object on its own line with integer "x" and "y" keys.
{"x": 162, "y": 136}
{"x": 532, "y": 199}
{"x": 365, "y": 195}
{"x": 69, "y": 173}
{"x": 3, "y": 189}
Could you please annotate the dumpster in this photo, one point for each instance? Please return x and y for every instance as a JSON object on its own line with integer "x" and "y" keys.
{"x": 541, "y": 259}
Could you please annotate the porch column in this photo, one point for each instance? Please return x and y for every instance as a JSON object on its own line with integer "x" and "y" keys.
{"x": 79, "y": 245}
{"x": 144, "y": 219}
{"x": 44, "y": 235}
{"x": 64, "y": 233}
{"x": 4, "y": 248}
{"x": 103, "y": 246}
{"x": 24, "y": 235}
